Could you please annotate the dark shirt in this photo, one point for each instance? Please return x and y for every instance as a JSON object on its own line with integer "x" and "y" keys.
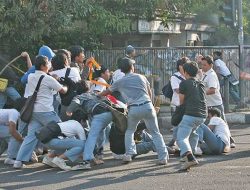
{"x": 194, "y": 100}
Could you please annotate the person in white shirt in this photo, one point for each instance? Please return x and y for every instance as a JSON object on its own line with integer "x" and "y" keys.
{"x": 43, "y": 111}
{"x": 8, "y": 126}
{"x": 175, "y": 80}
{"x": 214, "y": 138}
{"x": 223, "y": 72}
{"x": 212, "y": 85}
{"x": 102, "y": 76}
{"x": 60, "y": 65}
{"x": 69, "y": 147}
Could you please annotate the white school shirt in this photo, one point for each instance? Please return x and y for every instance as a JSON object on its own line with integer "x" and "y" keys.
{"x": 98, "y": 87}
{"x": 175, "y": 83}
{"x": 72, "y": 128}
{"x": 8, "y": 115}
{"x": 73, "y": 75}
{"x": 117, "y": 75}
{"x": 211, "y": 81}
{"x": 44, "y": 100}
{"x": 222, "y": 67}
{"x": 221, "y": 129}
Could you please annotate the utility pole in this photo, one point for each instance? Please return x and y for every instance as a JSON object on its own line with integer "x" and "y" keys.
{"x": 241, "y": 48}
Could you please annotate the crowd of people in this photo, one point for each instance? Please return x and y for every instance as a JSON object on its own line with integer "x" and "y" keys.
{"x": 71, "y": 118}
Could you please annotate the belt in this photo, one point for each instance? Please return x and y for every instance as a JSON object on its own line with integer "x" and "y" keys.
{"x": 136, "y": 105}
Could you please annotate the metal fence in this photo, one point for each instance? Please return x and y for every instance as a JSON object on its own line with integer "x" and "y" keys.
{"x": 161, "y": 62}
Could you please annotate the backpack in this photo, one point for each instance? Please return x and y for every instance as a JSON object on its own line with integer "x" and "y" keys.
{"x": 167, "y": 89}
{"x": 72, "y": 89}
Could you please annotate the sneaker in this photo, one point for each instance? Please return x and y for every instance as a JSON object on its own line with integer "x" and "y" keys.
{"x": 61, "y": 163}
{"x": 95, "y": 162}
{"x": 82, "y": 166}
{"x": 118, "y": 156}
{"x": 99, "y": 156}
{"x": 34, "y": 157}
{"x": 127, "y": 158}
{"x": 9, "y": 161}
{"x": 48, "y": 161}
{"x": 183, "y": 159}
{"x": 198, "y": 151}
{"x": 18, "y": 164}
{"x": 187, "y": 165}
{"x": 162, "y": 162}
{"x": 232, "y": 145}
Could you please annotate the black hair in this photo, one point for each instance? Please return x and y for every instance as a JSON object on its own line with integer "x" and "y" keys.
{"x": 64, "y": 51}
{"x": 191, "y": 68}
{"x": 180, "y": 62}
{"x": 119, "y": 62}
{"x": 217, "y": 53}
{"x": 82, "y": 86}
{"x": 58, "y": 61}
{"x": 40, "y": 61}
{"x": 126, "y": 65}
{"x": 75, "y": 51}
{"x": 209, "y": 59}
{"x": 98, "y": 73}
{"x": 214, "y": 111}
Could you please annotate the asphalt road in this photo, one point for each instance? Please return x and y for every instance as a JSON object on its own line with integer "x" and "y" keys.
{"x": 230, "y": 171}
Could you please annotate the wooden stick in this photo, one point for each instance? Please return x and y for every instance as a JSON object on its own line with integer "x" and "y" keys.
{"x": 8, "y": 64}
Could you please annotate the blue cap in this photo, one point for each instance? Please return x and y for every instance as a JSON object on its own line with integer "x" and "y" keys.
{"x": 129, "y": 49}
{"x": 46, "y": 51}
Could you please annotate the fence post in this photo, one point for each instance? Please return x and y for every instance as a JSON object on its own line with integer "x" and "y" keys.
{"x": 226, "y": 95}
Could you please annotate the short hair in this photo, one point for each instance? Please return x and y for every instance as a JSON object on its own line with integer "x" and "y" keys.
{"x": 64, "y": 51}
{"x": 181, "y": 62}
{"x": 83, "y": 86}
{"x": 214, "y": 111}
{"x": 129, "y": 49}
{"x": 119, "y": 62}
{"x": 209, "y": 59}
{"x": 191, "y": 68}
{"x": 217, "y": 53}
{"x": 58, "y": 62}
{"x": 126, "y": 65}
{"x": 75, "y": 51}
{"x": 98, "y": 73}
{"x": 41, "y": 60}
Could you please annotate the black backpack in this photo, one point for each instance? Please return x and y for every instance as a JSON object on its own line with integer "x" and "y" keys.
{"x": 167, "y": 89}
{"x": 72, "y": 89}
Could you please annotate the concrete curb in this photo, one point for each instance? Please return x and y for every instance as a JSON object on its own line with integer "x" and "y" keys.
{"x": 238, "y": 117}
{"x": 232, "y": 118}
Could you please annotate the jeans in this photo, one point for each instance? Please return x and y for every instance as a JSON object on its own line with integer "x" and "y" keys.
{"x": 146, "y": 113}
{"x": 14, "y": 145}
{"x": 187, "y": 138}
{"x": 38, "y": 120}
{"x": 10, "y": 92}
{"x": 71, "y": 147}
{"x": 98, "y": 123}
{"x": 146, "y": 145}
{"x": 213, "y": 144}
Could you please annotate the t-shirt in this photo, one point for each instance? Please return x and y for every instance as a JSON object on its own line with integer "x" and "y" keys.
{"x": 133, "y": 88}
{"x": 221, "y": 129}
{"x": 210, "y": 80}
{"x": 73, "y": 75}
{"x": 194, "y": 100}
{"x": 44, "y": 100}
{"x": 117, "y": 75}
{"x": 72, "y": 128}
{"x": 98, "y": 87}
{"x": 8, "y": 115}
{"x": 222, "y": 67}
{"x": 175, "y": 83}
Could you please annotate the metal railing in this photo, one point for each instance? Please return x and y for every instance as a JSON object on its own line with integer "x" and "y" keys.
{"x": 161, "y": 62}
